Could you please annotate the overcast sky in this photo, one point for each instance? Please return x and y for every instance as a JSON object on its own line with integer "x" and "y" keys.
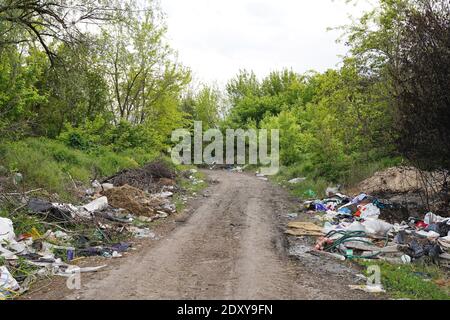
{"x": 216, "y": 38}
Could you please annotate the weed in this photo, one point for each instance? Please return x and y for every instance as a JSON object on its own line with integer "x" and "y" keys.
{"x": 412, "y": 281}
{"x": 51, "y": 165}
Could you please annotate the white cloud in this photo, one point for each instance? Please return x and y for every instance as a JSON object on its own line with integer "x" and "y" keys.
{"x": 216, "y": 38}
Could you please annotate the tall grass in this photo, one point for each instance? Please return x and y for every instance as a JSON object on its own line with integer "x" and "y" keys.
{"x": 51, "y": 165}
{"x": 413, "y": 281}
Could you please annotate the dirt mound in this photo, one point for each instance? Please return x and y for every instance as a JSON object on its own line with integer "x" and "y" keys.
{"x": 132, "y": 199}
{"x": 147, "y": 178}
{"x": 408, "y": 192}
{"x": 402, "y": 180}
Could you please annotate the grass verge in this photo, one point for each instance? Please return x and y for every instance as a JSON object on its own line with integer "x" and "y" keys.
{"x": 51, "y": 165}
{"x": 413, "y": 281}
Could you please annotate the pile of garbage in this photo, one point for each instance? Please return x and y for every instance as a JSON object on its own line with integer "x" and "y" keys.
{"x": 139, "y": 202}
{"x": 38, "y": 253}
{"x": 149, "y": 178}
{"x": 352, "y": 227}
{"x": 98, "y": 228}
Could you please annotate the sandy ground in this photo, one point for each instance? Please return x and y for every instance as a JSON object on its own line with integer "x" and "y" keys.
{"x": 231, "y": 246}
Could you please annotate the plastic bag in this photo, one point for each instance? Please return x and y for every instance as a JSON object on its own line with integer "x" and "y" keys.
{"x": 377, "y": 227}
{"x": 369, "y": 211}
{"x": 6, "y": 230}
{"x": 7, "y": 283}
{"x": 431, "y": 218}
{"x": 359, "y": 198}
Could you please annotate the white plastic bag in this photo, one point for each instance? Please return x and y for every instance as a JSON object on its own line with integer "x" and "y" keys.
{"x": 356, "y": 226}
{"x": 97, "y": 205}
{"x": 431, "y": 218}
{"x": 369, "y": 211}
{"x": 6, "y": 230}
{"x": 377, "y": 227}
{"x": 7, "y": 282}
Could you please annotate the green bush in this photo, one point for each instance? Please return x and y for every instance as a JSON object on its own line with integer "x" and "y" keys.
{"x": 290, "y": 138}
{"x": 141, "y": 155}
{"x": 85, "y": 137}
{"x": 108, "y": 162}
{"x": 119, "y": 138}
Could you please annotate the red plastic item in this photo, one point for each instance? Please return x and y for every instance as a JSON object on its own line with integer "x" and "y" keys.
{"x": 24, "y": 237}
{"x": 421, "y": 225}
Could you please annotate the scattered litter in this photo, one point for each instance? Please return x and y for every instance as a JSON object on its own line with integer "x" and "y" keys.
{"x": 6, "y": 230}
{"x": 120, "y": 206}
{"x": 361, "y": 278}
{"x": 145, "y": 219}
{"x": 166, "y": 194}
{"x": 107, "y": 186}
{"x": 97, "y": 205}
{"x": 96, "y": 185}
{"x": 327, "y": 254}
{"x": 297, "y": 180}
{"x": 68, "y": 270}
{"x": 376, "y": 288}
{"x": 345, "y": 211}
{"x": 351, "y": 227}
{"x": 61, "y": 235}
{"x": 146, "y": 178}
{"x": 17, "y": 178}
{"x": 305, "y": 226}
{"x": 359, "y": 198}
{"x": 406, "y": 259}
{"x": 431, "y": 218}
{"x": 292, "y": 215}
{"x": 161, "y": 215}
{"x": 369, "y": 211}
{"x": 143, "y": 233}
{"x": 8, "y": 285}
{"x": 115, "y": 254}
{"x": 377, "y": 227}
{"x": 59, "y": 212}
{"x": 330, "y": 191}
{"x": 137, "y": 202}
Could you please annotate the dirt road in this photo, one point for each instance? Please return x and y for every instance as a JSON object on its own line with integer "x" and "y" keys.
{"x": 231, "y": 247}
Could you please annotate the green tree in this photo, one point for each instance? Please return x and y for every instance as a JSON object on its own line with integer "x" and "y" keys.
{"x": 141, "y": 68}
{"x": 19, "y": 90}
{"x": 203, "y": 105}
